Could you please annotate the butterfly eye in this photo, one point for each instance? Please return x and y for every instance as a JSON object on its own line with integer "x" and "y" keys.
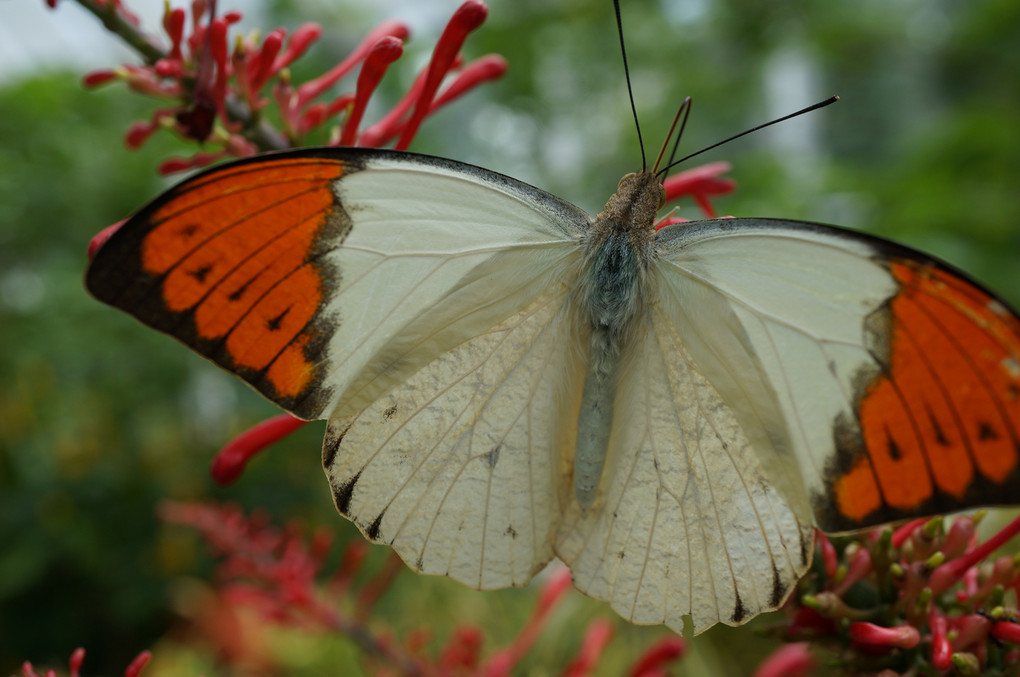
{"x": 624, "y": 178}
{"x": 662, "y": 196}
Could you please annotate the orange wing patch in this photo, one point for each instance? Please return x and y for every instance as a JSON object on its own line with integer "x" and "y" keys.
{"x": 230, "y": 262}
{"x": 941, "y": 423}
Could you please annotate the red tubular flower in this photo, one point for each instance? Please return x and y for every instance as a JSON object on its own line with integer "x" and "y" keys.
{"x": 483, "y": 69}
{"x": 76, "y": 660}
{"x": 595, "y": 640}
{"x": 98, "y": 78}
{"x": 139, "y": 132}
{"x": 314, "y": 88}
{"x": 830, "y": 560}
{"x": 658, "y": 656}
{"x": 136, "y": 666}
{"x": 789, "y": 660}
{"x": 299, "y": 42}
{"x": 1006, "y": 631}
{"x": 179, "y": 164}
{"x": 900, "y": 536}
{"x": 467, "y": 18}
{"x": 101, "y": 237}
{"x": 960, "y": 536}
{"x": 261, "y": 64}
{"x": 390, "y": 124}
{"x": 860, "y": 567}
{"x": 947, "y": 574}
{"x": 229, "y": 463}
{"x": 502, "y": 662}
{"x": 463, "y": 650}
{"x": 700, "y": 183}
{"x": 173, "y": 24}
{"x": 384, "y": 52}
{"x": 941, "y": 649}
{"x": 901, "y": 637}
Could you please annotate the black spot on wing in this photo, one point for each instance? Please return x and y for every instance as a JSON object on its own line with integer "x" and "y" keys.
{"x": 894, "y": 449}
{"x": 940, "y": 436}
{"x": 739, "y": 612}
{"x": 986, "y": 432}
{"x": 492, "y": 458}
{"x": 273, "y": 324}
{"x": 389, "y": 413}
{"x": 373, "y": 529}
{"x": 187, "y": 231}
{"x": 201, "y": 273}
{"x": 343, "y": 493}
{"x": 331, "y": 444}
{"x": 510, "y": 531}
{"x": 778, "y": 589}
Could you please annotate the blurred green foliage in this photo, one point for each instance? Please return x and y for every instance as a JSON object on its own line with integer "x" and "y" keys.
{"x": 101, "y": 418}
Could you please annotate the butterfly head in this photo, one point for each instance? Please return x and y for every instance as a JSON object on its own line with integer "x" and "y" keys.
{"x": 632, "y": 208}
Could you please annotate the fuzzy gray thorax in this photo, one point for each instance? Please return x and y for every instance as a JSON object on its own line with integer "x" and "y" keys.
{"x": 618, "y": 249}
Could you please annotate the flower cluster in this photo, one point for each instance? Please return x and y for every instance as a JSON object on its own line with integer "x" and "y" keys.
{"x": 77, "y": 659}
{"x": 218, "y": 95}
{"x": 921, "y": 599}
{"x": 283, "y": 577}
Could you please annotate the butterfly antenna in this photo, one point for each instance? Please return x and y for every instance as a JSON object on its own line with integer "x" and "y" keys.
{"x": 821, "y": 104}
{"x": 630, "y": 90}
{"x": 683, "y": 111}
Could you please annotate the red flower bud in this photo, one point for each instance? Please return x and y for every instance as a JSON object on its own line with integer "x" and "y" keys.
{"x": 230, "y": 461}
{"x": 941, "y": 649}
{"x": 658, "y": 655}
{"x": 97, "y": 78}
{"x": 75, "y": 662}
{"x": 1006, "y": 631}
{"x": 484, "y": 69}
{"x": 902, "y": 637}
{"x": 467, "y": 18}
{"x": 173, "y": 24}
{"x": 384, "y": 52}
{"x": 595, "y": 640}
{"x": 136, "y": 666}
{"x": 101, "y": 237}
{"x": 300, "y": 41}
{"x": 789, "y": 660}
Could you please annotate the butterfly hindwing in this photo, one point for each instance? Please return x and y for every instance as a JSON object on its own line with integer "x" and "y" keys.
{"x": 687, "y": 522}
{"x": 460, "y": 468}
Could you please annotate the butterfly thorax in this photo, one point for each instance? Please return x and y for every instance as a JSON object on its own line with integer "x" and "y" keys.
{"x": 618, "y": 249}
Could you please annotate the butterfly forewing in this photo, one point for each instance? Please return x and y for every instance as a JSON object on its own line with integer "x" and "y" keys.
{"x": 294, "y": 270}
{"x": 891, "y": 371}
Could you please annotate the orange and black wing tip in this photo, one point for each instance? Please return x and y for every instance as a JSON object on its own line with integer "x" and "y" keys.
{"x": 232, "y": 263}
{"x": 935, "y": 426}
{"x": 937, "y": 421}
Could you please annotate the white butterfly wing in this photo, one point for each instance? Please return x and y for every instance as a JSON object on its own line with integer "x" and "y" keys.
{"x": 439, "y": 252}
{"x": 460, "y": 468}
{"x": 686, "y": 522}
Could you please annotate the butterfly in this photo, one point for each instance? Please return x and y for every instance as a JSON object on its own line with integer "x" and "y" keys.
{"x": 508, "y": 379}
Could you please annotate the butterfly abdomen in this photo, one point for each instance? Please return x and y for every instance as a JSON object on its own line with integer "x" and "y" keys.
{"x": 609, "y": 297}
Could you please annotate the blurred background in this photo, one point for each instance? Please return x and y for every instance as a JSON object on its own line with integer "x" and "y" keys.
{"x": 101, "y": 418}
